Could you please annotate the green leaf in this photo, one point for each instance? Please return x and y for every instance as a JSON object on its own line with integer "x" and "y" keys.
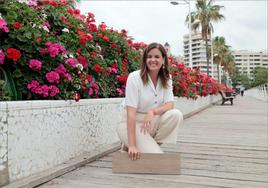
{"x": 28, "y": 35}
{"x": 21, "y": 38}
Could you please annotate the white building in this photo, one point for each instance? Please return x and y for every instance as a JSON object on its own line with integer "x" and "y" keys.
{"x": 199, "y": 58}
{"x": 247, "y": 61}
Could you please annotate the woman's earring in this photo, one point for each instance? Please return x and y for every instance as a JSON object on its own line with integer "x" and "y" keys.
{"x": 163, "y": 66}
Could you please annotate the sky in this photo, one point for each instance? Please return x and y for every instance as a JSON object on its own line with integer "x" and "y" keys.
{"x": 244, "y": 26}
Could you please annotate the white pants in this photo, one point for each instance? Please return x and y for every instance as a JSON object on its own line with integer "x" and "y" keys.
{"x": 164, "y": 129}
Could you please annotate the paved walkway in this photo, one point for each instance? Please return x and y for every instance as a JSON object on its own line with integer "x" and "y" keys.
{"x": 222, "y": 146}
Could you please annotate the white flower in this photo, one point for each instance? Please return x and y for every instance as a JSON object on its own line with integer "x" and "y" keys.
{"x": 71, "y": 56}
{"x": 44, "y": 15}
{"x": 79, "y": 66}
{"x": 65, "y": 56}
{"x": 46, "y": 29}
{"x": 65, "y": 30}
{"x": 34, "y": 25}
{"x": 22, "y": 1}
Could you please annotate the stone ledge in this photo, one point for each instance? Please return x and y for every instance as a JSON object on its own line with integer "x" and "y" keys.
{"x": 47, "y": 175}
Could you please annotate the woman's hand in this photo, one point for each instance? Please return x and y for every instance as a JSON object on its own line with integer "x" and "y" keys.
{"x": 133, "y": 153}
{"x": 147, "y": 121}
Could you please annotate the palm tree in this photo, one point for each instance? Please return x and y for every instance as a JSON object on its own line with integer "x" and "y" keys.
{"x": 219, "y": 49}
{"x": 202, "y": 18}
{"x": 223, "y": 55}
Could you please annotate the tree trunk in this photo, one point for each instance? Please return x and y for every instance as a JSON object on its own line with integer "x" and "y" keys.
{"x": 206, "y": 39}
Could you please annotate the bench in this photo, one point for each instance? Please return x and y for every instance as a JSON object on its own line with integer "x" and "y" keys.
{"x": 226, "y": 98}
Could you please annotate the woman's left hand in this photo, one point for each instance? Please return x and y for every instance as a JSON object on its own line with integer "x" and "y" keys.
{"x": 146, "y": 127}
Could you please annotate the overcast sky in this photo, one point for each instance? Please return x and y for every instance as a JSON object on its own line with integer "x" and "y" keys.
{"x": 244, "y": 27}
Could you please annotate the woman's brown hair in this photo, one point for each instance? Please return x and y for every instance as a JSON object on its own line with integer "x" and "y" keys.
{"x": 163, "y": 72}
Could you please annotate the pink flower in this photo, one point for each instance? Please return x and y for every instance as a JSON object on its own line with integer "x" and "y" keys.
{"x": 43, "y": 51}
{"x": 54, "y": 49}
{"x": 90, "y": 91}
{"x": 61, "y": 69}
{"x": 33, "y": 85}
{"x": 2, "y": 57}
{"x": 72, "y": 62}
{"x": 95, "y": 87}
{"x": 47, "y": 25}
{"x": 54, "y": 90}
{"x": 32, "y": 3}
{"x": 120, "y": 92}
{"x": 3, "y": 25}
{"x": 44, "y": 90}
{"x": 53, "y": 77}
{"x": 102, "y": 26}
{"x": 67, "y": 76}
{"x": 35, "y": 64}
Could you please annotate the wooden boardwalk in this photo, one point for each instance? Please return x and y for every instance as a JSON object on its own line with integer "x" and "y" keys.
{"x": 222, "y": 146}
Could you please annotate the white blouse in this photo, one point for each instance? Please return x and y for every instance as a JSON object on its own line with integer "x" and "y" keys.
{"x": 146, "y": 97}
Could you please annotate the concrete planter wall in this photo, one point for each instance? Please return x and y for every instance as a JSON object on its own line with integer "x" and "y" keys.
{"x": 37, "y": 135}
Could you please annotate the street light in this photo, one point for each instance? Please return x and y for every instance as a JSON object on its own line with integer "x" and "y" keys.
{"x": 212, "y": 67}
{"x": 190, "y": 28}
{"x": 219, "y": 71}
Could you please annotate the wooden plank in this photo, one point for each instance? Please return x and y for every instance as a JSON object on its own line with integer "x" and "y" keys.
{"x": 151, "y": 163}
{"x": 105, "y": 176}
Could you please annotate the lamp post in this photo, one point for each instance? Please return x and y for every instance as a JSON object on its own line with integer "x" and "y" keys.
{"x": 212, "y": 67}
{"x": 190, "y": 28}
{"x": 219, "y": 70}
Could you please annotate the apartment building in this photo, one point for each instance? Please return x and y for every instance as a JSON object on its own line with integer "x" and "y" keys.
{"x": 199, "y": 58}
{"x": 247, "y": 61}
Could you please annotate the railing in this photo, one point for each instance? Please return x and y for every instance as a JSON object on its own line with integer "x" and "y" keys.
{"x": 259, "y": 92}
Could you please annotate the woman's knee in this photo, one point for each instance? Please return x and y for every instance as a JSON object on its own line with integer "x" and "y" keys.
{"x": 177, "y": 114}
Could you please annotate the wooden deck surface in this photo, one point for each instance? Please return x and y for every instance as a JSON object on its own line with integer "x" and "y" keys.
{"x": 222, "y": 146}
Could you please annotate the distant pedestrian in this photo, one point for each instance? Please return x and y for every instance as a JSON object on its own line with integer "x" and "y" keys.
{"x": 242, "y": 89}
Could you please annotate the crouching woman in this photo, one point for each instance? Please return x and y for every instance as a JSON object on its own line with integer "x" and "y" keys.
{"x": 150, "y": 118}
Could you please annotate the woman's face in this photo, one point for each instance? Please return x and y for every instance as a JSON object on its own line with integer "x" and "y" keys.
{"x": 154, "y": 60}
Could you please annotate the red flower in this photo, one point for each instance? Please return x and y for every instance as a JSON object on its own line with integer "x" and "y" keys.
{"x": 124, "y": 69}
{"x": 88, "y": 78}
{"x": 92, "y": 27}
{"x": 17, "y": 25}
{"x": 105, "y": 38}
{"x": 100, "y": 35}
{"x": 76, "y": 11}
{"x": 13, "y": 54}
{"x": 113, "y": 45}
{"x": 82, "y": 60}
{"x": 93, "y": 54}
{"x": 38, "y": 39}
{"x": 122, "y": 79}
{"x": 97, "y": 68}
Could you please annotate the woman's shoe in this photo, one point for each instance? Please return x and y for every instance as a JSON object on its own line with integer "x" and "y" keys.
{"x": 124, "y": 148}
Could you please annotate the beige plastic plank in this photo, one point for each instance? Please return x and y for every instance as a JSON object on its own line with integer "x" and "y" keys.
{"x": 149, "y": 163}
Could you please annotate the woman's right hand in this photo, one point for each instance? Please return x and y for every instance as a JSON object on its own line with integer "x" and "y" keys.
{"x": 133, "y": 153}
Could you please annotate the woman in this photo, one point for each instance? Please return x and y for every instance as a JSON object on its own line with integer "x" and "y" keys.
{"x": 150, "y": 118}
